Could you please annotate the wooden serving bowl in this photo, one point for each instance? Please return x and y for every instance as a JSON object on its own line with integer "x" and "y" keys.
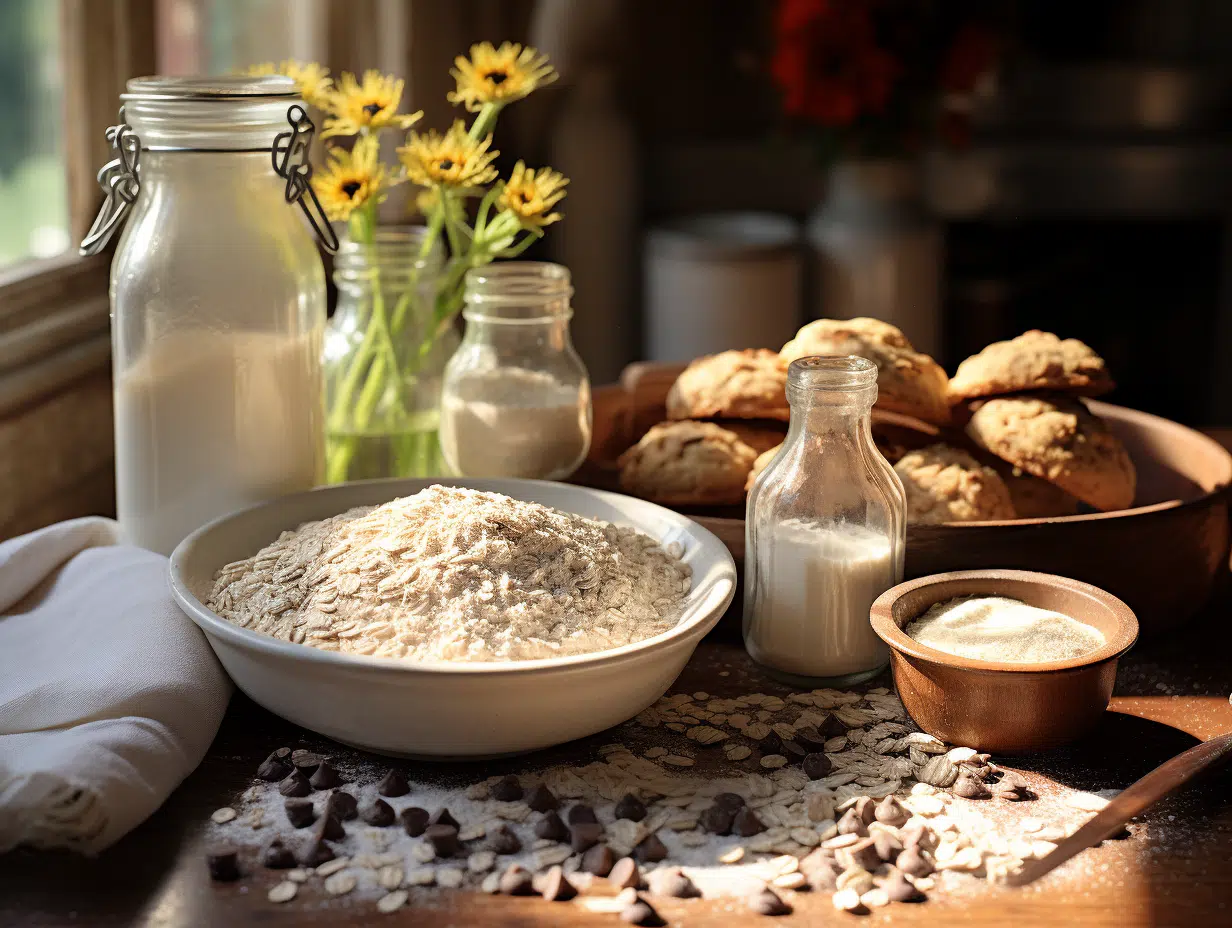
{"x": 1163, "y": 557}
{"x": 996, "y": 706}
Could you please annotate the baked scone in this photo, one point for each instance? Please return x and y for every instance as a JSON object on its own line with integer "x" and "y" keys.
{"x": 1056, "y": 437}
{"x": 1034, "y": 360}
{"x": 908, "y": 381}
{"x": 686, "y": 463}
{"x": 762, "y": 462}
{"x": 946, "y": 484}
{"x": 1034, "y": 498}
{"x": 748, "y": 384}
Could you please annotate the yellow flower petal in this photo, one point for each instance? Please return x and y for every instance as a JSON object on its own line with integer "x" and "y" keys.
{"x": 349, "y": 179}
{"x": 313, "y": 81}
{"x": 530, "y": 194}
{"x": 498, "y": 75}
{"x": 355, "y": 106}
{"x": 453, "y": 159}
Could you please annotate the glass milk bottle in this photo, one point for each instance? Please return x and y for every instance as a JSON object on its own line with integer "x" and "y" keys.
{"x": 217, "y": 300}
{"x": 516, "y": 396}
{"x": 825, "y": 532}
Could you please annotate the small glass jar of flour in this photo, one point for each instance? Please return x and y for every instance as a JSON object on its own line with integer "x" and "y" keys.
{"x": 825, "y": 532}
{"x": 516, "y": 397}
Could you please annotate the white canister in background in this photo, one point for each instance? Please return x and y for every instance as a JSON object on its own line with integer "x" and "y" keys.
{"x": 720, "y": 281}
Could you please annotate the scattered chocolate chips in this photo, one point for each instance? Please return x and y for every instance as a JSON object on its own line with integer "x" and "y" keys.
{"x": 316, "y": 853}
{"x": 585, "y": 835}
{"x": 734, "y": 802}
{"x": 599, "y": 860}
{"x": 223, "y": 864}
{"x": 504, "y": 841}
{"x": 852, "y": 824}
{"x": 443, "y": 838}
{"x": 342, "y": 805}
{"x": 917, "y": 834}
{"x": 556, "y": 886}
{"x": 640, "y": 912}
{"x": 300, "y": 812}
{"x": 914, "y": 862}
{"x": 517, "y": 881}
{"x": 330, "y": 829}
{"x": 717, "y": 820}
{"x": 393, "y": 784}
{"x": 325, "y": 776}
{"x": 276, "y": 767}
{"x": 817, "y": 765}
{"x": 626, "y": 874}
{"x": 820, "y": 869}
{"x": 771, "y": 744}
{"x": 442, "y": 817}
{"x": 296, "y": 785}
{"x": 631, "y": 808}
{"x": 672, "y": 881}
{"x": 864, "y": 854}
{"x": 832, "y": 727}
{"x": 969, "y": 787}
{"x": 305, "y": 761}
{"x": 900, "y": 889}
{"x": 767, "y": 902}
{"x": 811, "y": 737}
{"x": 542, "y": 799}
{"x": 746, "y": 823}
{"x": 277, "y": 856}
{"x": 794, "y": 751}
{"x": 887, "y": 844}
{"x": 1012, "y": 787}
{"x": 650, "y": 850}
{"x": 581, "y": 813}
{"x": 551, "y": 828}
{"x": 379, "y": 813}
{"x": 891, "y": 812}
{"x": 507, "y": 789}
{"x": 414, "y": 820}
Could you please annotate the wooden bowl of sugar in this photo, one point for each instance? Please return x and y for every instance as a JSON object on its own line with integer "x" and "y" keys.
{"x": 1004, "y": 706}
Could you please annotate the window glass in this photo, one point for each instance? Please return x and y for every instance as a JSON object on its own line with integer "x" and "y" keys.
{"x": 222, "y": 36}
{"x": 33, "y": 184}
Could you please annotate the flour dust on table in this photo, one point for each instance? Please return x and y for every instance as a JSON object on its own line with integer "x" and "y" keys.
{"x": 757, "y": 797}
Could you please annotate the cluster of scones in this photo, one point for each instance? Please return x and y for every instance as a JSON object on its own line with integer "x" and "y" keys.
{"x": 1029, "y": 447}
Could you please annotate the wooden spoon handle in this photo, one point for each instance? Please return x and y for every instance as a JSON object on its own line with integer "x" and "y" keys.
{"x": 1147, "y": 791}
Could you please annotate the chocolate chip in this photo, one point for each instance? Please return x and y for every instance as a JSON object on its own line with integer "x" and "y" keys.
{"x": 330, "y": 829}
{"x": 824, "y": 879}
{"x": 443, "y": 838}
{"x": 414, "y": 820}
{"x": 581, "y": 813}
{"x": 393, "y": 784}
{"x": 300, "y": 812}
{"x": 305, "y": 761}
{"x": 817, "y": 765}
{"x": 793, "y": 751}
{"x": 507, "y": 789}
{"x": 671, "y": 881}
{"x": 1012, "y": 787}
{"x": 504, "y": 841}
{"x": 900, "y": 889}
{"x": 517, "y": 881}
{"x": 295, "y": 785}
{"x": 223, "y": 864}
{"x": 864, "y": 854}
{"x": 746, "y": 823}
{"x": 887, "y": 844}
{"x": 599, "y": 860}
{"x": 733, "y": 802}
{"x": 832, "y": 727}
{"x": 866, "y": 808}
{"x": 771, "y": 744}
{"x": 914, "y": 862}
{"x": 852, "y": 824}
{"x": 316, "y": 853}
{"x": 277, "y": 856}
{"x": 277, "y": 766}
{"x": 767, "y": 902}
{"x": 325, "y": 776}
{"x": 625, "y": 874}
{"x": 342, "y": 805}
{"x": 556, "y": 886}
{"x": 969, "y": 787}
{"x": 811, "y": 737}
{"x": 631, "y": 808}
{"x": 442, "y": 817}
{"x": 378, "y": 812}
{"x": 820, "y": 869}
{"x": 917, "y": 833}
{"x": 541, "y": 799}
{"x": 585, "y": 835}
{"x": 717, "y": 820}
{"x": 891, "y": 812}
{"x": 650, "y": 850}
{"x": 551, "y": 827}
{"x": 640, "y": 912}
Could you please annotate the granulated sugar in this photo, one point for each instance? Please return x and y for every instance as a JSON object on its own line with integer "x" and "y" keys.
{"x": 457, "y": 575}
{"x": 995, "y": 628}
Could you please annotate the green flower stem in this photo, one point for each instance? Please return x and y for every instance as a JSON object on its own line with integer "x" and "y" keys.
{"x": 485, "y": 122}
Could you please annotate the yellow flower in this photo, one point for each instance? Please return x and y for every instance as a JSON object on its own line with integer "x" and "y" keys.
{"x": 454, "y": 159}
{"x": 498, "y": 75}
{"x": 356, "y": 107}
{"x": 350, "y": 179}
{"x": 313, "y": 80}
{"x": 529, "y": 194}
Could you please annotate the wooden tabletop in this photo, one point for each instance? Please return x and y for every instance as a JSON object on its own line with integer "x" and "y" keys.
{"x": 1175, "y": 870}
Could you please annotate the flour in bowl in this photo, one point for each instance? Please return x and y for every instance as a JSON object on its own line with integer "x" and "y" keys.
{"x": 457, "y": 575}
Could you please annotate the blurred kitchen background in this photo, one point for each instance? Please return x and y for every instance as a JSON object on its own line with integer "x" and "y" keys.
{"x": 965, "y": 170}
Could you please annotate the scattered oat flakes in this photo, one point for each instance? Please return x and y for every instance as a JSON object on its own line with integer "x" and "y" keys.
{"x": 389, "y": 877}
{"x": 392, "y": 902}
{"x": 423, "y": 853}
{"x": 341, "y": 883}
{"x": 330, "y": 867}
{"x": 421, "y": 876}
{"x": 735, "y": 855}
{"x": 735, "y": 752}
{"x": 1087, "y": 802}
{"x": 774, "y": 761}
{"x": 298, "y": 875}
{"x": 678, "y": 760}
{"x": 656, "y": 751}
{"x": 481, "y": 862}
{"x": 283, "y": 892}
{"x": 223, "y": 815}
{"x": 450, "y": 877}
{"x": 789, "y": 880}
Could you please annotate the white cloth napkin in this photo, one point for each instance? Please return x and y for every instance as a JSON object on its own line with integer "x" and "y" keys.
{"x": 109, "y": 695}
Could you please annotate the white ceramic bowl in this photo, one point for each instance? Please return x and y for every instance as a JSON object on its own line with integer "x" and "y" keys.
{"x": 450, "y": 710}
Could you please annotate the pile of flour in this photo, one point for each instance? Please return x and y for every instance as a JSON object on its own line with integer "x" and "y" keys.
{"x": 457, "y": 575}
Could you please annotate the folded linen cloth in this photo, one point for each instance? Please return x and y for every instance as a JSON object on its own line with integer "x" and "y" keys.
{"x": 109, "y": 695}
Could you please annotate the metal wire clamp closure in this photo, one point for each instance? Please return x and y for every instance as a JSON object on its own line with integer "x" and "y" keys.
{"x": 120, "y": 181}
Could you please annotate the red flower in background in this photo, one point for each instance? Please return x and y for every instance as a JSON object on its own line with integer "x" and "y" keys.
{"x": 971, "y": 57}
{"x": 828, "y": 63}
